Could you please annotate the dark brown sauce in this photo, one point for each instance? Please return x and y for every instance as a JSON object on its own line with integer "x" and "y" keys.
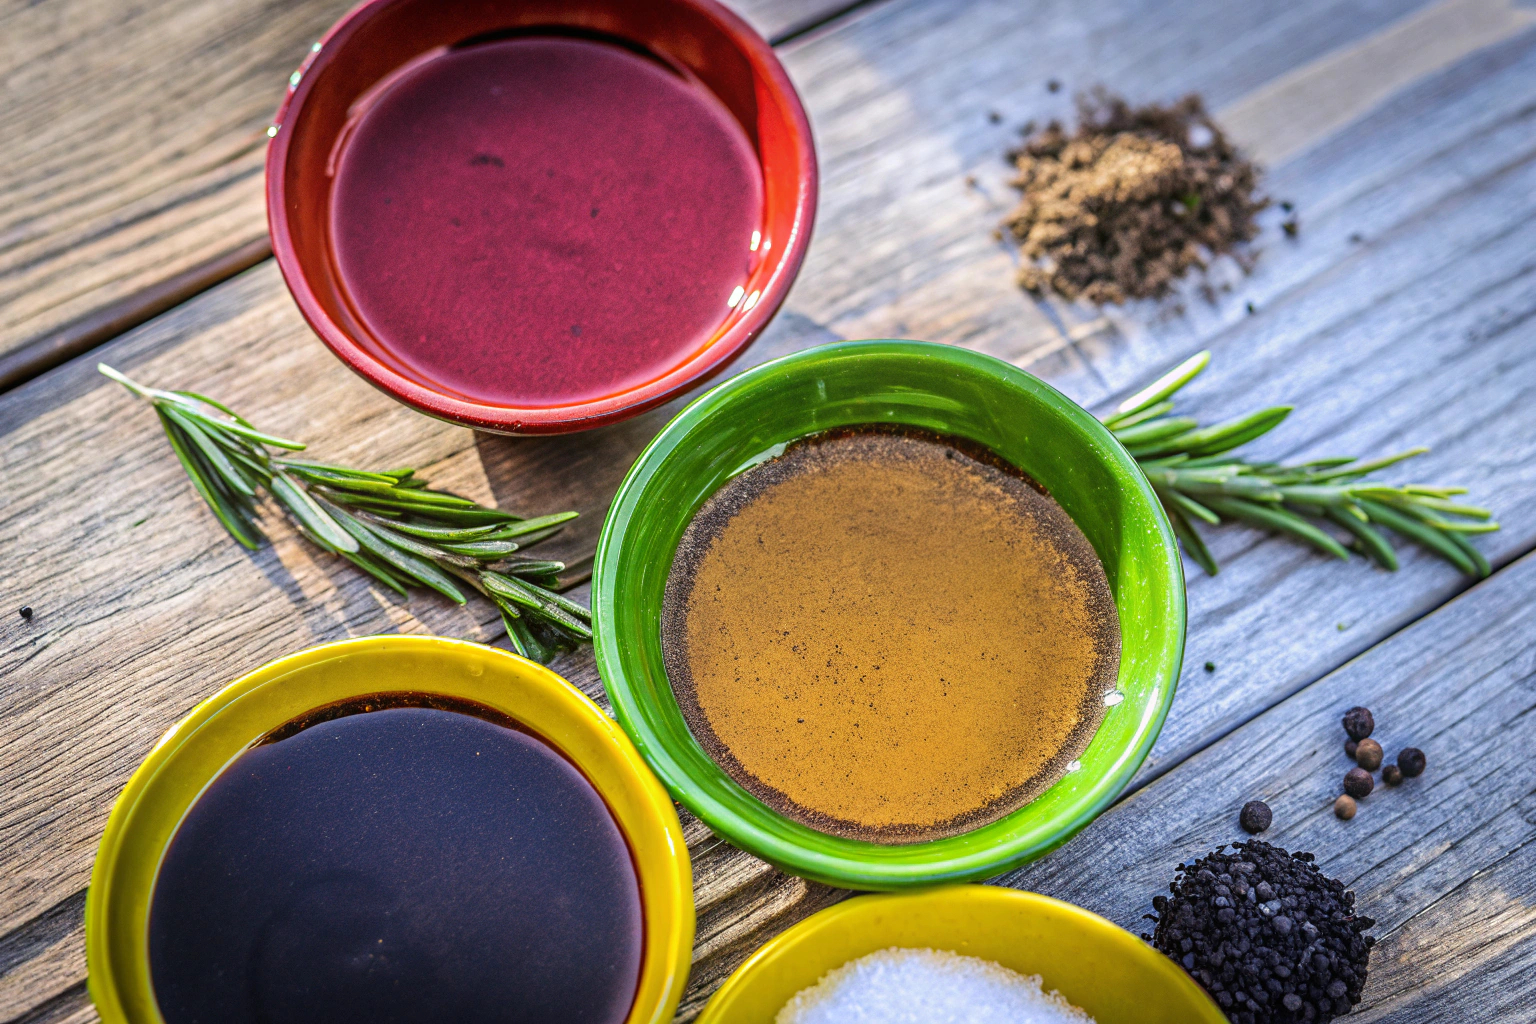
{"x": 403, "y": 858}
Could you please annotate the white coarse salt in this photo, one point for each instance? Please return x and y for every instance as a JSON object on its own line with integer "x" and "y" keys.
{"x": 927, "y": 986}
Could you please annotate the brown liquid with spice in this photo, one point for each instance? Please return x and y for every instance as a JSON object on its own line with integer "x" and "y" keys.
{"x": 889, "y": 636}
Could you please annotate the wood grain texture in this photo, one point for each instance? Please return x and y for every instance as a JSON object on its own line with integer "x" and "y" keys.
{"x": 41, "y": 960}
{"x": 1443, "y": 862}
{"x": 1420, "y": 333}
{"x": 134, "y": 138}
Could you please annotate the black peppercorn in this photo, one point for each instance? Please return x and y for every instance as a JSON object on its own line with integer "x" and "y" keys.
{"x": 1358, "y": 783}
{"x": 1350, "y": 746}
{"x": 1298, "y": 954}
{"x": 1344, "y": 807}
{"x": 1359, "y": 723}
{"x": 1255, "y": 817}
{"x": 1368, "y": 755}
{"x": 1392, "y": 775}
{"x": 1411, "y": 762}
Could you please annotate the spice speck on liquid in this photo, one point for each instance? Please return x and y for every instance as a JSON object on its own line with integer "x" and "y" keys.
{"x": 874, "y": 681}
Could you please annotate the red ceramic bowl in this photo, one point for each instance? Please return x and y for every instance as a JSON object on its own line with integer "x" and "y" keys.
{"x": 316, "y": 226}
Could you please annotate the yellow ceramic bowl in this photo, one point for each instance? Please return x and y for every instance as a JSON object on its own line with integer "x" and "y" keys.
{"x": 1104, "y": 969}
{"x": 189, "y": 756}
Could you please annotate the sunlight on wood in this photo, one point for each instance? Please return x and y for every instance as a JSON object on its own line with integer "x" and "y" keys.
{"x": 1302, "y": 107}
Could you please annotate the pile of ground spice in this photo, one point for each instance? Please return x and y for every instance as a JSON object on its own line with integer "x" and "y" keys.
{"x": 1130, "y": 202}
{"x": 1268, "y": 935}
{"x": 889, "y": 637}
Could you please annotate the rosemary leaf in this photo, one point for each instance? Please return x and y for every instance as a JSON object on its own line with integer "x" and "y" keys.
{"x": 527, "y": 526}
{"x": 390, "y": 525}
{"x": 237, "y": 524}
{"x": 1154, "y": 430}
{"x": 305, "y": 509}
{"x": 1190, "y": 506}
{"x": 1220, "y": 438}
{"x": 1162, "y": 388}
{"x": 210, "y": 449}
{"x": 449, "y": 534}
{"x": 1480, "y": 564}
{"x": 1362, "y": 468}
{"x": 528, "y": 568}
{"x": 378, "y": 570}
{"x": 321, "y": 472}
{"x": 239, "y": 427}
{"x": 1372, "y": 543}
{"x": 1450, "y": 507}
{"x": 557, "y": 609}
{"x": 405, "y": 562}
{"x": 483, "y": 550}
{"x": 1149, "y": 413}
{"x": 1196, "y": 477}
{"x": 1421, "y": 533}
{"x": 402, "y": 501}
{"x": 1191, "y": 540}
{"x": 1278, "y": 519}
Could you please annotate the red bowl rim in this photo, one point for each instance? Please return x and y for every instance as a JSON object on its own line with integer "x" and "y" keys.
{"x": 504, "y": 419}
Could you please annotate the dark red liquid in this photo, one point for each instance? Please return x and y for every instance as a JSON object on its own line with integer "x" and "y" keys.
{"x": 544, "y": 220}
{"x": 410, "y": 865}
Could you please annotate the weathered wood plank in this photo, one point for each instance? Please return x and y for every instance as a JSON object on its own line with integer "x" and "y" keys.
{"x": 185, "y": 611}
{"x": 135, "y": 140}
{"x": 1444, "y": 863}
{"x": 40, "y": 960}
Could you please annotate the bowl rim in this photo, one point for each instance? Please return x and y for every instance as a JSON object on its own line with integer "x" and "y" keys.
{"x": 703, "y": 364}
{"x": 717, "y": 1010}
{"x": 850, "y": 870}
{"x": 662, "y": 866}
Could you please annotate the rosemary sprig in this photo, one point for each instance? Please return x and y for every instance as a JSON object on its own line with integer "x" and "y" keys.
{"x": 1196, "y": 479}
{"x": 389, "y": 524}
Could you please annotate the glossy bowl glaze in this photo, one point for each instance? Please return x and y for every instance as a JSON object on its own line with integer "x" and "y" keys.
{"x": 379, "y": 39}
{"x": 188, "y": 757}
{"x": 1105, "y": 970}
{"x": 938, "y": 388}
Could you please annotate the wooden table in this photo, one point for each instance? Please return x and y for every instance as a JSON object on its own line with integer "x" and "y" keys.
{"x": 1403, "y": 313}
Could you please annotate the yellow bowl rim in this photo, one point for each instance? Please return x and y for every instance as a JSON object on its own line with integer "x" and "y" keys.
{"x": 661, "y": 858}
{"x": 783, "y": 946}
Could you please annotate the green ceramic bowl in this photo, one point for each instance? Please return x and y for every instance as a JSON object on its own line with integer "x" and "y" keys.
{"x": 938, "y": 388}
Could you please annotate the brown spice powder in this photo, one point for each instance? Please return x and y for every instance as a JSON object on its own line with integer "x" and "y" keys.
{"x": 886, "y": 637}
{"x": 1131, "y": 201}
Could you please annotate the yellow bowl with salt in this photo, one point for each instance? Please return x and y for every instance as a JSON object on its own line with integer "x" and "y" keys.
{"x": 1103, "y": 969}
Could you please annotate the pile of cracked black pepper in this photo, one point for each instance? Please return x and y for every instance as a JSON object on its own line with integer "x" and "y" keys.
{"x": 1269, "y": 936}
{"x": 1131, "y": 201}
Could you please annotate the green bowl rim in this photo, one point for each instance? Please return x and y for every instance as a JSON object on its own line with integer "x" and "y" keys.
{"x": 850, "y": 870}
